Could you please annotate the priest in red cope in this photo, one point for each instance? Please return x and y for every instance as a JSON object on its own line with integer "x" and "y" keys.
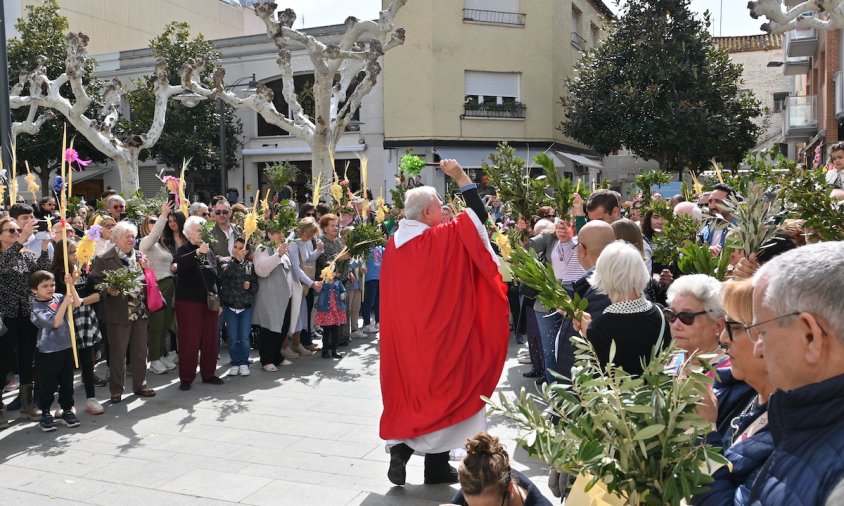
{"x": 444, "y": 328}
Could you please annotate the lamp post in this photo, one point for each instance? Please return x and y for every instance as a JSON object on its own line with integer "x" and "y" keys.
{"x": 5, "y": 110}
{"x": 190, "y": 99}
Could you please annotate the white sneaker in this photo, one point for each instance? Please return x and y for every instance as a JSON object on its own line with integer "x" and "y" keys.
{"x": 234, "y": 370}
{"x": 156, "y": 367}
{"x": 377, "y": 325}
{"x": 167, "y": 363}
{"x": 370, "y": 328}
{"x": 271, "y": 367}
{"x": 357, "y": 334}
{"x": 244, "y": 370}
{"x": 94, "y": 407}
{"x": 173, "y": 357}
{"x": 286, "y": 362}
{"x": 287, "y": 353}
{"x": 524, "y": 360}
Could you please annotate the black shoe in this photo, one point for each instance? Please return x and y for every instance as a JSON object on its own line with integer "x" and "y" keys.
{"x": 100, "y": 382}
{"x": 532, "y": 374}
{"x": 540, "y": 380}
{"x": 438, "y": 470}
{"x": 14, "y": 405}
{"x": 326, "y": 353}
{"x": 399, "y": 455}
{"x": 184, "y": 385}
{"x": 214, "y": 380}
{"x": 334, "y": 354}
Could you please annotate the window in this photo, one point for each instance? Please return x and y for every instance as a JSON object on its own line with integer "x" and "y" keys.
{"x": 596, "y": 35}
{"x": 504, "y": 12}
{"x": 492, "y": 94}
{"x": 779, "y": 101}
{"x": 577, "y": 39}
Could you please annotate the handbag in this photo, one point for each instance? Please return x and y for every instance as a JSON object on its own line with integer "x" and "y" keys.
{"x": 155, "y": 301}
{"x": 212, "y": 300}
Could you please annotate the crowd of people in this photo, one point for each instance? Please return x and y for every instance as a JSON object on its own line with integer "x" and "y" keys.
{"x": 262, "y": 294}
{"x": 772, "y": 332}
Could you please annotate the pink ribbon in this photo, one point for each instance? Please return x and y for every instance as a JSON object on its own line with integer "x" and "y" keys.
{"x": 71, "y": 156}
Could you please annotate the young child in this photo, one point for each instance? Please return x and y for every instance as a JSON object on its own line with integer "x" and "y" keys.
{"x": 835, "y": 174}
{"x": 238, "y": 285}
{"x": 331, "y": 315}
{"x": 54, "y": 358}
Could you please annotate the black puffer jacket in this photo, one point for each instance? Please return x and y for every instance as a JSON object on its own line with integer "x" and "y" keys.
{"x": 232, "y": 276}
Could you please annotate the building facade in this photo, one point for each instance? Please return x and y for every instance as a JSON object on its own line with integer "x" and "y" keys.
{"x": 476, "y": 72}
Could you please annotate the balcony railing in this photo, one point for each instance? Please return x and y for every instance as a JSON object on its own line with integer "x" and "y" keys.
{"x": 800, "y": 121}
{"x": 494, "y": 17}
{"x": 801, "y": 42}
{"x": 796, "y": 66}
{"x": 578, "y": 41}
{"x": 510, "y": 110}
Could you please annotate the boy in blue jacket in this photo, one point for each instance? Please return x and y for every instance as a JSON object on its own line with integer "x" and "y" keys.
{"x": 54, "y": 360}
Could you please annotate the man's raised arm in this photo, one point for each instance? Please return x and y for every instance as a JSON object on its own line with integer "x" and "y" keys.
{"x": 469, "y": 189}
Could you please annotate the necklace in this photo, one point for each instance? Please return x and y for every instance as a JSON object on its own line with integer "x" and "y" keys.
{"x": 735, "y": 423}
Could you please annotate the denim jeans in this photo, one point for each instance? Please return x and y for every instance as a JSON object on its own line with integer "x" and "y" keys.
{"x": 239, "y": 327}
{"x": 549, "y": 327}
{"x": 371, "y": 301}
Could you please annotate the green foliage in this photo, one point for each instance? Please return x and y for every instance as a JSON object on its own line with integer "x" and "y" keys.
{"x": 123, "y": 280}
{"x": 562, "y": 187}
{"x": 677, "y": 233}
{"x": 647, "y": 180}
{"x": 43, "y": 30}
{"x": 397, "y": 194}
{"x": 188, "y": 132}
{"x": 508, "y": 174}
{"x": 808, "y": 197}
{"x": 525, "y": 265}
{"x": 206, "y": 234}
{"x": 658, "y": 86}
{"x": 697, "y": 259}
{"x": 139, "y": 207}
{"x": 756, "y": 217}
{"x": 641, "y": 436}
{"x": 280, "y": 174}
{"x": 362, "y": 238}
{"x": 411, "y": 165}
{"x": 285, "y": 219}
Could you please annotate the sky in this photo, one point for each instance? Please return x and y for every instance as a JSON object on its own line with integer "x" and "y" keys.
{"x": 733, "y": 20}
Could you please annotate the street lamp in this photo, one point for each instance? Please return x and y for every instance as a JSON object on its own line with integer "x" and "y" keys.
{"x": 190, "y": 100}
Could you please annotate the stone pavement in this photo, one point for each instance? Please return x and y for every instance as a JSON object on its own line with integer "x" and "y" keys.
{"x": 307, "y": 434}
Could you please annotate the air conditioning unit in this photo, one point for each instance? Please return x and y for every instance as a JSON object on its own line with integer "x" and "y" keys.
{"x": 839, "y": 94}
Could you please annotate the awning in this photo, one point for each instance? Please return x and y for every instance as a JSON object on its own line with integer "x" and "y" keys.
{"x": 297, "y": 150}
{"x": 582, "y": 160}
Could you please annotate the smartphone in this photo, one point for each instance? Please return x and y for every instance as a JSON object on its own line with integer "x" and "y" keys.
{"x": 171, "y": 199}
{"x": 42, "y": 226}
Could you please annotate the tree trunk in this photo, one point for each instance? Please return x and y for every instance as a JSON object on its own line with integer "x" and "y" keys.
{"x": 321, "y": 162}
{"x": 128, "y": 170}
{"x": 46, "y": 181}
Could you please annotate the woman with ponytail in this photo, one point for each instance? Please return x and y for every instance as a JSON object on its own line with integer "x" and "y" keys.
{"x": 487, "y": 479}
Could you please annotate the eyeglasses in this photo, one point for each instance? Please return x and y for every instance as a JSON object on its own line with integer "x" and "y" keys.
{"x": 204, "y": 215}
{"x": 12, "y": 230}
{"x": 153, "y": 221}
{"x": 119, "y": 206}
{"x": 309, "y": 215}
{"x": 728, "y": 324}
{"x": 754, "y": 339}
{"x": 685, "y": 317}
{"x": 108, "y": 226}
{"x": 221, "y": 212}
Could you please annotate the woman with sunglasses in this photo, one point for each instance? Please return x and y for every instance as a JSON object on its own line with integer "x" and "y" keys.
{"x": 103, "y": 244}
{"x": 749, "y": 443}
{"x": 16, "y": 266}
{"x": 160, "y": 261}
{"x": 697, "y": 320}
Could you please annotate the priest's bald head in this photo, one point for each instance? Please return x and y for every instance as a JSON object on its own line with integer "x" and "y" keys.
{"x": 424, "y": 205}
{"x": 591, "y": 241}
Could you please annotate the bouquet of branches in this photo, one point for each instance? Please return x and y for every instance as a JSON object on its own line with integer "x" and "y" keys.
{"x": 206, "y": 234}
{"x": 123, "y": 280}
{"x": 562, "y": 187}
{"x": 525, "y": 265}
{"x": 756, "y": 218}
{"x": 697, "y": 259}
{"x": 808, "y": 197}
{"x": 411, "y": 165}
{"x": 280, "y": 174}
{"x": 637, "y": 438}
{"x": 285, "y": 220}
{"x": 509, "y": 176}
{"x": 647, "y": 180}
{"x": 362, "y": 238}
{"x": 677, "y": 233}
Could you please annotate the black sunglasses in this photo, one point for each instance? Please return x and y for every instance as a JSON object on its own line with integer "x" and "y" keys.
{"x": 685, "y": 317}
{"x": 222, "y": 212}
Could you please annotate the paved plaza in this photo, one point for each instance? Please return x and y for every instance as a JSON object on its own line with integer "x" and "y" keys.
{"x": 305, "y": 435}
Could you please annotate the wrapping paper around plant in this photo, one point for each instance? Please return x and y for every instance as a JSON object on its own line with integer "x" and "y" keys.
{"x": 596, "y": 496}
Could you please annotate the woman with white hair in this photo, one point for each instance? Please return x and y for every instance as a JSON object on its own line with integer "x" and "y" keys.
{"x": 632, "y": 321}
{"x": 197, "y": 280}
{"x": 125, "y": 316}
